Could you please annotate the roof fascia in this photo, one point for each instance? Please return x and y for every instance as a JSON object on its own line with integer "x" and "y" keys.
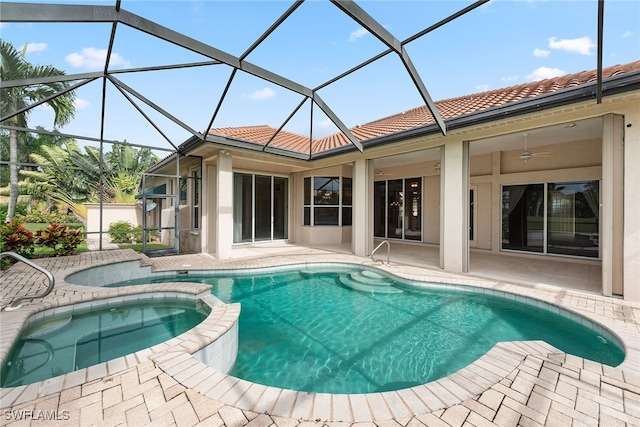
{"x": 242, "y": 144}
{"x": 625, "y": 83}
{"x": 614, "y": 85}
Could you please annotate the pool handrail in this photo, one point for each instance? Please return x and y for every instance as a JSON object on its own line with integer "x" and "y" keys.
{"x": 378, "y": 247}
{"x": 52, "y": 281}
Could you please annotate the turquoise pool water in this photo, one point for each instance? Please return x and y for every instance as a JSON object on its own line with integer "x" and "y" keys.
{"x": 63, "y": 343}
{"x": 308, "y": 331}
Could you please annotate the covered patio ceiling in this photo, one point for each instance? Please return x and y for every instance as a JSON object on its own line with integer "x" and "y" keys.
{"x": 121, "y": 81}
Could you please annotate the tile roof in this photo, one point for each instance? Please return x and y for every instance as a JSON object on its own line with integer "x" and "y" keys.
{"x": 420, "y": 116}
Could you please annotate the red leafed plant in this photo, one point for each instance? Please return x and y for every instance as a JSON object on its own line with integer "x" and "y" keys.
{"x": 17, "y": 238}
{"x": 60, "y": 238}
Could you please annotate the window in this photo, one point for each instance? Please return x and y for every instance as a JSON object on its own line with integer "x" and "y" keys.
{"x": 552, "y": 218}
{"x": 260, "y": 207}
{"x": 397, "y": 209}
{"x": 327, "y": 201}
{"x": 195, "y": 211}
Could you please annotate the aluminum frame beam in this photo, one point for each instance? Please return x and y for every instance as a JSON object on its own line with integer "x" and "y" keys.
{"x": 31, "y": 12}
{"x": 363, "y": 18}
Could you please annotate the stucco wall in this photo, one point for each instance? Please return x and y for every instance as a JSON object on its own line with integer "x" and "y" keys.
{"x": 112, "y": 212}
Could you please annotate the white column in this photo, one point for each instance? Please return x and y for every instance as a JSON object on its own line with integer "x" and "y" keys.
{"x": 361, "y": 231}
{"x": 454, "y": 225}
{"x": 224, "y": 208}
{"x": 611, "y": 212}
{"x": 631, "y": 249}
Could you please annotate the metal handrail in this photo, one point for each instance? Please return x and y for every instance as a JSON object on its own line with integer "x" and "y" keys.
{"x": 52, "y": 280}
{"x": 378, "y": 247}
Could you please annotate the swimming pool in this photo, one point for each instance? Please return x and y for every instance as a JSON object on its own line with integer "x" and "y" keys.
{"x": 75, "y": 339}
{"x": 308, "y": 329}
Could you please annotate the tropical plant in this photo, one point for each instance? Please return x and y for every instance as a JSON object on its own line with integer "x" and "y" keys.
{"x": 121, "y": 231}
{"x": 41, "y": 217}
{"x": 16, "y": 99}
{"x": 72, "y": 177}
{"x": 60, "y": 177}
{"x": 60, "y": 238}
{"x": 124, "y": 164}
{"x": 17, "y": 238}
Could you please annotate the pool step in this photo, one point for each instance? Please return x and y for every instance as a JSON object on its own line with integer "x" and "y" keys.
{"x": 368, "y": 281}
{"x": 310, "y": 272}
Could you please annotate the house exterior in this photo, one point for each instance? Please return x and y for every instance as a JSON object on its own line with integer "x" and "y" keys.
{"x": 545, "y": 169}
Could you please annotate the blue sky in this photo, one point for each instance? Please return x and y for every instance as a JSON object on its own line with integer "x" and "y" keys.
{"x": 500, "y": 44}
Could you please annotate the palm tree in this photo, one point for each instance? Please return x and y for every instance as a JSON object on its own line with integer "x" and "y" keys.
{"x": 69, "y": 177}
{"x": 65, "y": 177}
{"x": 124, "y": 164}
{"x": 14, "y": 67}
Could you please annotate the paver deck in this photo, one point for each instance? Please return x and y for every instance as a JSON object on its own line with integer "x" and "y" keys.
{"x": 515, "y": 384}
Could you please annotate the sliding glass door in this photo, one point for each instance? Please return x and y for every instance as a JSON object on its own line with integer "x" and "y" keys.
{"x": 397, "y": 206}
{"x": 552, "y": 218}
{"x": 573, "y": 212}
{"x": 260, "y": 208}
{"x": 523, "y": 217}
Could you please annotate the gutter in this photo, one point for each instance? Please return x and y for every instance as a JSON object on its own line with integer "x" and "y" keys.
{"x": 625, "y": 83}
{"x": 614, "y": 85}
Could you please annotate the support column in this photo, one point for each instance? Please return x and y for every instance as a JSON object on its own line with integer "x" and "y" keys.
{"x": 454, "y": 225}
{"x": 612, "y": 217}
{"x": 361, "y": 230}
{"x": 208, "y": 208}
{"x": 224, "y": 207}
{"x": 496, "y": 202}
{"x": 631, "y": 244}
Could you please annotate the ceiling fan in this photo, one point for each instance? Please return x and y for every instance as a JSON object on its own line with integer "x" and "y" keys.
{"x": 527, "y": 155}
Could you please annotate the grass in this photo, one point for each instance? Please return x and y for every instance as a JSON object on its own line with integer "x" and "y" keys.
{"x": 35, "y": 226}
{"x": 138, "y": 246}
{"x": 43, "y": 251}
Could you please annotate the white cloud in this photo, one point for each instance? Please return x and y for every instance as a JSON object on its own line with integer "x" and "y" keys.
{"x": 510, "y": 78}
{"x": 628, "y": 34}
{"x": 359, "y": 33}
{"x": 482, "y": 87}
{"x": 81, "y": 103}
{"x": 540, "y": 53}
{"x": 542, "y": 73}
{"x": 581, "y": 45}
{"x": 35, "y": 47}
{"x": 94, "y": 59}
{"x": 327, "y": 123}
{"x": 262, "y": 94}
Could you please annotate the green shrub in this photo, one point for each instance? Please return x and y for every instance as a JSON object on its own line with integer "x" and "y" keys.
{"x": 60, "y": 238}
{"x": 17, "y": 238}
{"x": 20, "y": 210}
{"x": 4, "y": 262}
{"x": 48, "y": 218}
{"x": 136, "y": 235}
{"x": 121, "y": 232}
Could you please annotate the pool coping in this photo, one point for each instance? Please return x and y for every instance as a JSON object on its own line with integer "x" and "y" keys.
{"x": 178, "y": 362}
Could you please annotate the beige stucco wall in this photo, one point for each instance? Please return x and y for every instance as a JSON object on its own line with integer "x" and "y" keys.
{"x": 111, "y": 212}
{"x": 631, "y": 247}
{"x": 431, "y": 209}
